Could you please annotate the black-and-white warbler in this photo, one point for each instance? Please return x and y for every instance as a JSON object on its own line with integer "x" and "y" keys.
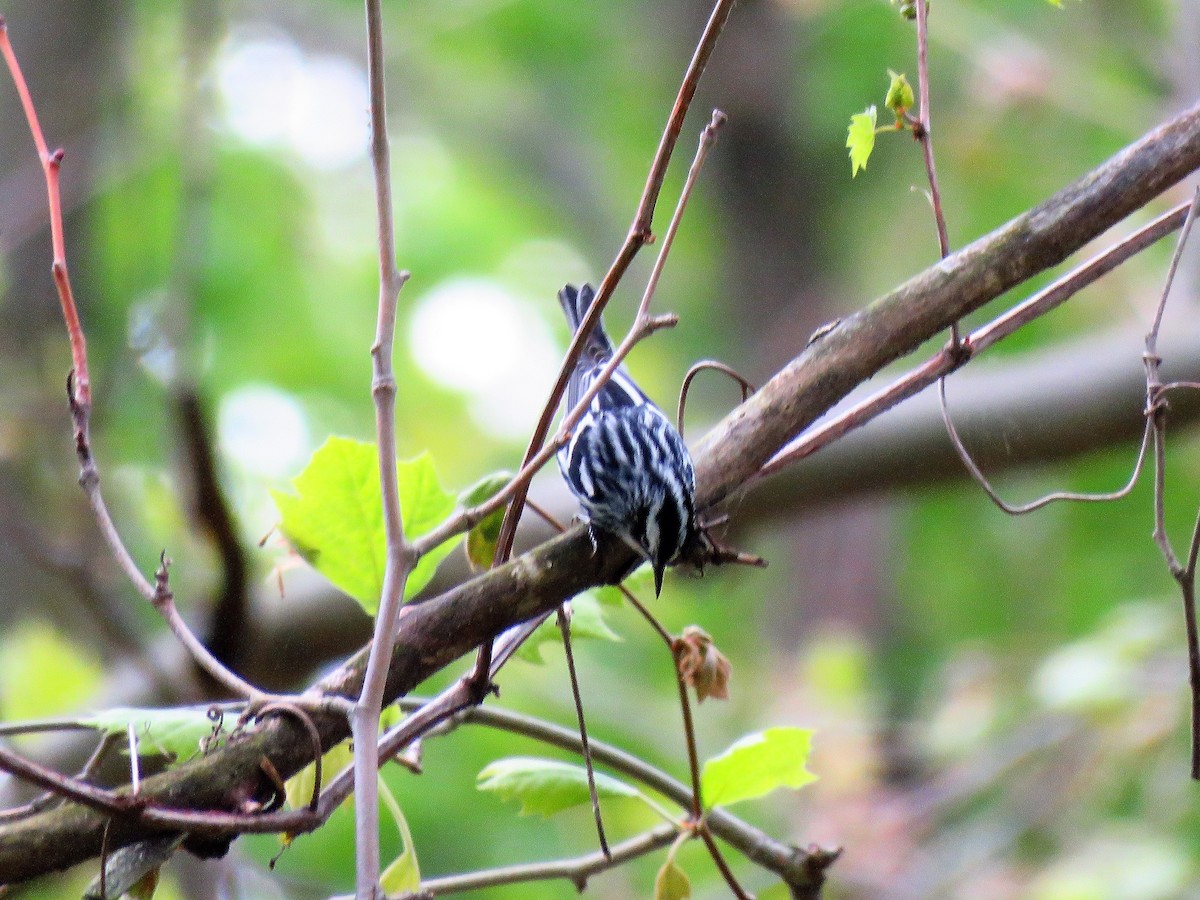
{"x": 625, "y": 461}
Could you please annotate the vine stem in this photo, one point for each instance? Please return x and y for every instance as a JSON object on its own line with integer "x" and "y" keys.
{"x": 1156, "y": 420}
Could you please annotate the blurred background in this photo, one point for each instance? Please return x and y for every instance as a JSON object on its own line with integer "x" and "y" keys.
{"x": 1000, "y": 703}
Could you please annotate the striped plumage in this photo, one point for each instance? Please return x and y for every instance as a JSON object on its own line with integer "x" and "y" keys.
{"x": 625, "y": 461}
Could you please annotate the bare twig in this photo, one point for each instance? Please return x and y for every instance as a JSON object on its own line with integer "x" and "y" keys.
{"x": 51, "y": 166}
{"x": 922, "y": 132}
{"x": 564, "y": 626}
{"x": 577, "y": 870}
{"x": 106, "y": 743}
{"x": 708, "y": 137}
{"x": 722, "y": 866}
{"x": 400, "y": 558}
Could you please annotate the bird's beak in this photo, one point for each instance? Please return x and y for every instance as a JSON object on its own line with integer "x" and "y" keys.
{"x": 658, "y": 577}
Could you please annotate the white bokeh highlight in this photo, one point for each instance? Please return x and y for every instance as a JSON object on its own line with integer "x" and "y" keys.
{"x": 473, "y": 336}
{"x": 263, "y": 430}
{"x": 275, "y": 96}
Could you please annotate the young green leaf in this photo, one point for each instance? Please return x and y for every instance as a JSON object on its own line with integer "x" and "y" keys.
{"x": 546, "y": 786}
{"x": 481, "y": 540}
{"x": 173, "y": 733}
{"x": 900, "y": 95}
{"x": 671, "y": 882}
{"x": 299, "y": 787}
{"x": 861, "y": 139}
{"x": 758, "y": 764}
{"x": 402, "y": 875}
{"x": 335, "y": 518}
{"x": 587, "y": 621}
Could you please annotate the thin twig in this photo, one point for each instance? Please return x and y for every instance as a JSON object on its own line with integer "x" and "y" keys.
{"x": 577, "y": 870}
{"x": 708, "y": 137}
{"x": 314, "y": 738}
{"x": 722, "y": 866}
{"x": 106, "y": 743}
{"x": 564, "y": 626}
{"x": 399, "y": 558}
{"x": 793, "y": 866}
{"x": 923, "y": 135}
{"x": 689, "y": 730}
{"x": 51, "y": 166}
{"x": 64, "y": 785}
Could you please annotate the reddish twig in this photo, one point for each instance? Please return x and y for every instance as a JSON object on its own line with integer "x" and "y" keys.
{"x": 722, "y": 866}
{"x": 1047, "y": 499}
{"x": 51, "y": 167}
{"x": 922, "y": 131}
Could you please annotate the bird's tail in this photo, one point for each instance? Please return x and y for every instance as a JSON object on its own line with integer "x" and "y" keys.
{"x": 575, "y": 304}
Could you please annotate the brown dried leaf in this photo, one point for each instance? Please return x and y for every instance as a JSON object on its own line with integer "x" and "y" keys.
{"x": 702, "y": 665}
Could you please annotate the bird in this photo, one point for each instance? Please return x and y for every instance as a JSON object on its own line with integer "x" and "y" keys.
{"x": 624, "y": 460}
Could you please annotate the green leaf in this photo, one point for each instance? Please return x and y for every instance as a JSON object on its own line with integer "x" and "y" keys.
{"x": 42, "y": 673}
{"x": 899, "y": 95}
{"x": 299, "y": 787}
{"x": 335, "y": 518}
{"x": 587, "y": 622}
{"x": 481, "y": 540}
{"x": 546, "y": 786}
{"x": 174, "y": 733}
{"x": 402, "y": 875}
{"x": 671, "y": 883}
{"x": 758, "y": 764}
{"x": 861, "y": 139}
